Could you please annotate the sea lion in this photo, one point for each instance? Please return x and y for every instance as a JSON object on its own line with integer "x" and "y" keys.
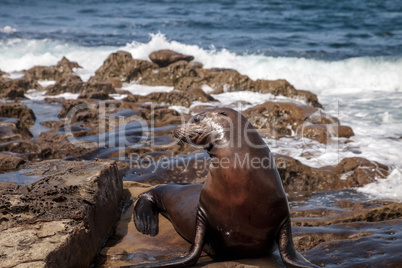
{"x": 241, "y": 211}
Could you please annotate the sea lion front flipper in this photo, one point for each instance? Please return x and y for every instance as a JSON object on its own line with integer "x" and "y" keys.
{"x": 192, "y": 256}
{"x": 290, "y": 257}
{"x": 146, "y": 213}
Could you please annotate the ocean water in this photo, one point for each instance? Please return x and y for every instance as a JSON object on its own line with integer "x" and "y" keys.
{"x": 347, "y": 52}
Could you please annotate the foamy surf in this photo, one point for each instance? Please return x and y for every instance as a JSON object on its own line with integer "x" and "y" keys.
{"x": 321, "y": 77}
{"x": 37, "y": 95}
{"x": 389, "y": 188}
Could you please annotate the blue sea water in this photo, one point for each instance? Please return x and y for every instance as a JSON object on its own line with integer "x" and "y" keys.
{"x": 330, "y": 30}
{"x": 347, "y": 52}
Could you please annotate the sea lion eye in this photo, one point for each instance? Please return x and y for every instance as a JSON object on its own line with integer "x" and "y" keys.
{"x": 223, "y": 113}
{"x": 196, "y": 119}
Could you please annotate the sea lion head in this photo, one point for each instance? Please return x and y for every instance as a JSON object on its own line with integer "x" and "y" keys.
{"x": 208, "y": 129}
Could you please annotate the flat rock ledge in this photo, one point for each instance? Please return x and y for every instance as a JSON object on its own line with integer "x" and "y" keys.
{"x": 62, "y": 219}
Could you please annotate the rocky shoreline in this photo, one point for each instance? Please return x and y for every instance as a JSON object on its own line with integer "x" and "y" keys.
{"x": 94, "y": 142}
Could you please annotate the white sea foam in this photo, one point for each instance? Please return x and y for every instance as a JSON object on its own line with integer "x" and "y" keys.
{"x": 8, "y": 29}
{"x": 41, "y": 95}
{"x": 22, "y": 54}
{"x": 118, "y": 96}
{"x": 46, "y": 83}
{"x": 245, "y": 99}
{"x": 135, "y": 88}
{"x": 389, "y": 188}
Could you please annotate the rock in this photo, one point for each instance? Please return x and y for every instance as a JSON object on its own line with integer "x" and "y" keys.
{"x": 122, "y": 66}
{"x": 23, "y": 148}
{"x": 345, "y": 131}
{"x": 81, "y": 88}
{"x": 116, "y": 83}
{"x": 366, "y": 244}
{"x": 2, "y": 73}
{"x": 68, "y": 80}
{"x": 383, "y": 213}
{"x": 165, "y": 116}
{"x": 15, "y": 94}
{"x": 350, "y": 172}
{"x": 95, "y": 95}
{"x": 324, "y": 132}
{"x": 51, "y": 124}
{"x": 63, "y": 68}
{"x": 359, "y": 171}
{"x": 15, "y": 89}
{"x": 18, "y": 111}
{"x": 196, "y": 64}
{"x": 221, "y": 80}
{"x": 184, "y": 75}
{"x": 228, "y": 80}
{"x": 170, "y": 75}
{"x": 10, "y": 162}
{"x": 74, "y": 206}
{"x": 11, "y": 128}
{"x": 179, "y": 98}
{"x": 166, "y": 57}
{"x": 290, "y": 119}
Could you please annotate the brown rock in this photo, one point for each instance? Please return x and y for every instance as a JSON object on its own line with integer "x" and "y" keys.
{"x": 68, "y": 79}
{"x": 165, "y": 116}
{"x": 165, "y": 57}
{"x": 308, "y": 97}
{"x": 323, "y": 132}
{"x": 288, "y": 119}
{"x": 224, "y": 80}
{"x": 387, "y": 212}
{"x": 350, "y": 172}
{"x": 359, "y": 171}
{"x": 15, "y": 89}
{"x": 363, "y": 244}
{"x": 169, "y": 75}
{"x": 196, "y": 64}
{"x": 74, "y": 206}
{"x": 61, "y": 143}
{"x": 345, "y": 131}
{"x": 10, "y": 162}
{"x": 22, "y": 147}
{"x": 81, "y": 88}
{"x": 95, "y": 95}
{"x": 2, "y": 73}
{"x": 121, "y": 65}
{"x": 116, "y": 83}
{"x": 64, "y": 67}
{"x": 180, "y": 98}
{"x": 12, "y": 130}
{"x": 18, "y": 111}
{"x": 79, "y": 105}
{"x": 281, "y": 117}
{"x": 183, "y": 75}
{"x": 15, "y": 120}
